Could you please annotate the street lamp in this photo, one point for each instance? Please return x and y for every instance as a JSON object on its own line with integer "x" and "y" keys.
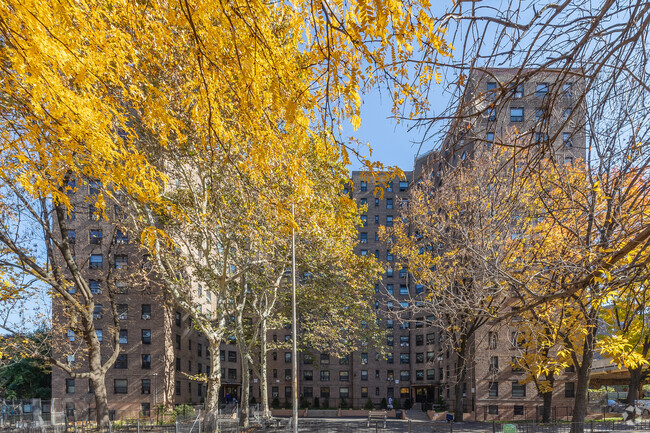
{"x": 155, "y": 389}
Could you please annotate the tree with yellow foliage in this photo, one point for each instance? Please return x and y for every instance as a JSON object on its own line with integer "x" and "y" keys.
{"x": 456, "y": 236}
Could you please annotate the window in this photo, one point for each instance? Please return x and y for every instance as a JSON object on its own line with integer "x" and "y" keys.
{"x": 404, "y": 375}
{"x": 492, "y": 115}
{"x": 376, "y": 202}
{"x": 232, "y": 373}
{"x": 70, "y": 335}
{"x": 419, "y": 358}
{"x": 494, "y": 364}
{"x": 274, "y": 392}
{"x": 122, "y": 311}
{"x": 98, "y": 311}
{"x": 364, "y": 358}
{"x": 96, "y": 261}
{"x": 390, "y": 324}
{"x": 566, "y": 140}
{"x": 363, "y": 238}
{"x": 389, "y": 220}
{"x": 517, "y": 114}
{"x": 518, "y": 390}
{"x": 177, "y": 387}
{"x": 493, "y": 389}
{"x": 419, "y": 288}
{"x": 96, "y": 237}
{"x": 325, "y": 375}
{"x": 515, "y": 340}
{"x": 120, "y": 386}
{"x": 516, "y": 368}
{"x": 145, "y": 387}
{"x": 146, "y": 336}
{"x": 325, "y": 359}
{"x": 404, "y": 358}
{"x": 540, "y": 138}
{"x": 287, "y": 374}
{"x": 390, "y": 340}
{"x": 344, "y": 376}
{"x": 431, "y": 374}
{"x": 345, "y": 360}
{"x": 404, "y": 304}
{"x": 124, "y": 336}
{"x": 491, "y": 87}
{"x": 146, "y": 311}
{"x": 287, "y": 392}
{"x": 70, "y": 360}
{"x": 307, "y": 392}
{"x": 493, "y": 338}
{"x": 324, "y": 392}
{"x": 519, "y": 409}
{"x": 308, "y": 374}
{"x": 72, "y": 237}
{"x": 344, "y": 392}
{"x": 404, "y": 341}
{"x": 389, "y": 289}
{"x": 569, "y": 390}
{"x": 419, "y": 375}
{"x": 389, "y": 203}
{"x": 232, "y": 356}
{"x": 363, "y": 253}
{"x": 308, "y": 359}
{"x": 100, "y": 335}
{"x": 177, "y": 318}
{"x": 95, "y": 287}
{"x": 121, "y": 237}
{"x": 145, "y": 409}
{"x": 122, "y": 361}
{"x": 518, "y": 91}
{"x": 403, "y": 185}
{"x": 376, "y": 220}
{"x": 69, "y": 386}
{"x": 389, "y": 187}
{"x": 490, "y": 137}
{"x": 93, "y": 213}
{"x": 178, "y": 364}
{"x": 566, "y": 113}
{"x": 146, "y": 361}
{"x": 364, "y": 374}
{"x": 364, "y": 392}
{"x": 364, "y": 220}
{"x": 403, "y": 289}
{"x": 121, "y": 261}
{"x": 389, "y": 256}
{"x": 199, "y": 349}
{"x": 493, "y": 409}
{"x": 541, "y": 90}
{"x": 364, "y": 186}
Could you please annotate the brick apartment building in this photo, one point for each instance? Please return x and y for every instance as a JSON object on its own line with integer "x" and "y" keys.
{"x": 160, "y": 347}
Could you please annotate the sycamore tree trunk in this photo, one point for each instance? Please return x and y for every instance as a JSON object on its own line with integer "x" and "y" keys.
{"x": 214, "y": 383}
{"x": 98, "y": 379}
{"x": 266, "y": 413}
{"x": 584, "y": 375}
{"x": 168, "y": 371}
{"x": 245, "y": 392}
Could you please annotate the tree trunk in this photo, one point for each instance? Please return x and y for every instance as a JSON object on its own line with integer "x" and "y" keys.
{"x": 634, "y": 386}
{"x": 266, "y": 413}
{"x": 168, "y": 370}
{"x": 582, "y": 387}
{"x": 461, "y": 373}
{"x": 214, "y": 385}
{"x": 547, "y": 399}
{"x": 98, "y": 379}
{"x": 245, "y": 392}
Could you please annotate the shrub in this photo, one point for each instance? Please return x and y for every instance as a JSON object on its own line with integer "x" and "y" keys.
{"x": 287, "y": 404}
{"x": 326, "y": 404}
{"x": 344, "y": 404}
{"x": 275, "y": 403}
{"x": 407, "y": 404}
{"x": 396, "y": 404}
{"x": 369, "y": 405}
{"x": 253, "y": 401}
{"x": 316, "y": 403}
{"x": 183, "y": 411}
{"x": 383, "y": 404}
